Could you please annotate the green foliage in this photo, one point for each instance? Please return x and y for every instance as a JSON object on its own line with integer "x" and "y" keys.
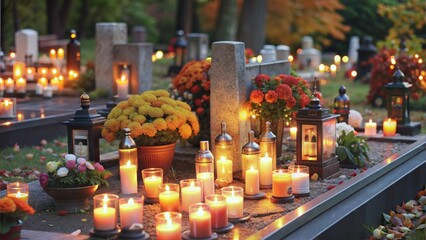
{"x": 352, "y": 148}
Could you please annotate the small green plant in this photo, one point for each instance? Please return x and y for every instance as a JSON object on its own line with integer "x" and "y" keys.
{"x": 351, "y": 147}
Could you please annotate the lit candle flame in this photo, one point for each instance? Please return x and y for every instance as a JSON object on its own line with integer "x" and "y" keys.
{"x": 167, "y": 188}
{"x": 128, "y": 163}
{"x": 131, "y": 201}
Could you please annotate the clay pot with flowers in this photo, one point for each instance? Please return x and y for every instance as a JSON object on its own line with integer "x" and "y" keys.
{"x": 13, "y": 212}
{"x": 156, "y": 122}
{"x": 70, "y": 181}
{"x": 277, "y": 99}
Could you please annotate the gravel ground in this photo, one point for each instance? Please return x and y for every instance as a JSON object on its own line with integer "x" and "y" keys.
{"x": 263, "y": 212}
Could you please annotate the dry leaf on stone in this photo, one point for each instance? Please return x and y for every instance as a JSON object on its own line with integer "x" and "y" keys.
{"x": 396, "y": 221}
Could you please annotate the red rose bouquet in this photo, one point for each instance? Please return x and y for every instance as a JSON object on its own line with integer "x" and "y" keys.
{"x": 278, "y": 97}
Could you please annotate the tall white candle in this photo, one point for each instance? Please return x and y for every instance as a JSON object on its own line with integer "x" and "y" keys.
{"x": 224, "y": 169}
{"x": 21, "y": 85}
{"x": 370, "y": 129}
{"x": 266, "y": 170}
{"x": 252, "y": 181}
{"x": 207, "y": 181}
{"x": 190, "y": 194}
{"x": 122, "y": 87}
{"x": 128, "y": 178}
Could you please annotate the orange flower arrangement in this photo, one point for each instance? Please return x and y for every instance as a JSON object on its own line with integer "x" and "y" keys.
{"x": 278, "y": 97}
{"x": 12, "y": 210}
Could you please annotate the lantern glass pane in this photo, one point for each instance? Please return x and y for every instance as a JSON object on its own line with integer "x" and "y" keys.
{"x": 223, "y": 151}
{"x": 329, "y": 138}
{"x": 81, "y": 143}
{"x": 309, "y": 142}
{"x": 397, "y": 107}
{"x": 128, "y": 156}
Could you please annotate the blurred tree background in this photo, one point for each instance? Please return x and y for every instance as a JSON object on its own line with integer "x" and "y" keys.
{"x": 256, "y": 22}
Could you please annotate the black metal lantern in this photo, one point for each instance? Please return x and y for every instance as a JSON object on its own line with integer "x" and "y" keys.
{"x": 398, "y": 98}
{"x": 342, "y": 105}
{"x": 73, "y": 53}
{"x": 366, "y": 51}
{"x": 84, "y": 131}
{"x": 179, "y": 46}
{"x": 316, "y": 139}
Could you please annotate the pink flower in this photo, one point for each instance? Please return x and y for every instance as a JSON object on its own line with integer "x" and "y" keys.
{"x": 82, "y": 167}
{"x": 98, "y": 166}
{"x": 43, "y": 179}
{"x": 70, "y": 164}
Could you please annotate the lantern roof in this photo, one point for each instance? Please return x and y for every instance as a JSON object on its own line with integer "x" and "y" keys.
{"x": 398, "y": 80}
{"x": 86, "y": 115}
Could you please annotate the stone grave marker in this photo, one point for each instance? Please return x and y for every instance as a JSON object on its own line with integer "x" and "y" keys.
{"x": 353, "y": 50}
{"x": 309, "y": 58}
{"x": 268, "y": 53}
{"x": 198, "y": 46}
{"x": 26, "y": 43}
{"x": 138, "y": 34}
{"x": 283, "y": 51}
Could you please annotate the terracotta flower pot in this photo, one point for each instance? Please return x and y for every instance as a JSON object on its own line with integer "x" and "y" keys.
{"x": 71, "y": 200}
{"x": 14, "y": 232}
{"x": 156, "y": 157}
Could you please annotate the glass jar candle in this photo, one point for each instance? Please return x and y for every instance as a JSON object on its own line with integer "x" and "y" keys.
{"x": 131, "y": 211}
{"x": 169, "y": 197}
{"x": 168, "y": 225}
{"x": 234, "y": 201}
{"x": 18, "y": 190}
{"x": 250, "y": 155}
{"x": 200, "y": 222}
{"x": 152, "y": 178}
{"x": 105, "y": 212}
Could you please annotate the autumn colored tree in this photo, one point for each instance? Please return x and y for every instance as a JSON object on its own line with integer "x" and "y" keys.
{"x": 289, "y": 20}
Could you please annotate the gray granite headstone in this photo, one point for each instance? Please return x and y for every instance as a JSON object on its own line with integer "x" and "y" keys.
{"x": 283, "y": 51}
{"x": 26, "y": 43}
{"x": 138, "y": 34}
{"x": 138, "y": 57}
{"x": 107, "y": 35}
{"x": 198, "y": 46}
{"x": 268, "y": 53}
{"x": 353, "y": 50}
{"x": 309, "y": 58}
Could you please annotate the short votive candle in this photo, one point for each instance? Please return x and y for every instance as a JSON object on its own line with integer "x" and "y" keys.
{"x": 281, "y": 183}
{"x": 234, "y": 201}
{"x": 218, "y": 210}
{"x": 389, "y": 127}
{"x": 105, "y": 212}
{"x": 191, "y": 192}
{"x": 169, "y": 197}
{"x": 168, "y": 225}
{"x": 18, "y": 190}
{"x": 152, "y": 178}
{"x": 370, "y": 129}
{"x": 200, "y": 222}
{"x": 299, "y": 179}
{"x": 131, "y": 211}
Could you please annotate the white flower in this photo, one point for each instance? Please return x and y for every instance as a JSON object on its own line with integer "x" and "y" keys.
{"x": 90, "y": 166}
{"x": 51, "y": 166}
{"x": 343, "y": 127}
{"x": 70, "y": 157}
{"x": 377, "y": 233}
{"x": 63, "y": 171}
{"x": 355, "y": 118}
{"x": 81, "y": 161}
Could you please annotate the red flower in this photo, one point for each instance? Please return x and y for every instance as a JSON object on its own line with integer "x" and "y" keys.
{"x": 304, "y": 100}
{"x": 289, "y": 80}
{"x": 291, "y": 102}
{"x": 256, "y": 96}
{"x": 199, "y": 110}
{"x": 415, "y": 96}
{"x": 318, "y": 95}
{"x": 198, "y": 102}
{"x": 283, "y": 91}
{"x": 195, "y": 89}
{"x": 271, "y": 96}
{"x": 260, "y": 79}
{"x": 205, "y": 98}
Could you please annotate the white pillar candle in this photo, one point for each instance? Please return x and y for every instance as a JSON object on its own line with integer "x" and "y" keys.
{"x": 293, "y": 133}
{"x": 151, "y": 186}
{"x": 122, "y": 87}
{"x": 224, "y": 169}
{"x": 266, "y": 170}
{"x": 21, "y": 85}
{"x": 39, "y": 89}
{"x": 252, "y": 181}
{"x": 128, "y": 178}
{"x": 104, "y": 218}
{"x": 30, "y": 73}
{"x": 207, "y": 182}
{"x": 300, "y": 179}
{"x": 10, "y": 85}
{"x": 6, "y": 107}
{"x": 47, "y": 91}
{"x": 234, "y": 201}
{"x": 190, "y": 194}
{"x": 370, "y": 129}
{"x": 131, "y": 211}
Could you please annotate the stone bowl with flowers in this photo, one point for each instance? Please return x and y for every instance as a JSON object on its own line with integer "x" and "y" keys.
{"x": 156, "y": 122}
{"x": 71, "y": 180}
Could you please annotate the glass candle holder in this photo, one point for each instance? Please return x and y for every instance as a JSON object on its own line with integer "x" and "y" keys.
{"x": 281, "y": 183}
{"x": 169, "y": 197}
{"x": 105, "y": 212}
{"x": 18, "y": 190}
{"x": 204, "y": 159}
{"x": 207, "y": 182}
{"x": 191, "y": 192}
{"x": 234, "y": 201}
{"x": 152, "y": 177}
{"x": 128, "y": 163}
{"x": 168, "y": 225}
{"x": 224, "y": 169}
{"x": 200, "y": 222}
{"x": 299, "y": 179}
{"x": 218, "y": 210}
{"x": 131, "y": 211}
{"x": 250, "y": 155}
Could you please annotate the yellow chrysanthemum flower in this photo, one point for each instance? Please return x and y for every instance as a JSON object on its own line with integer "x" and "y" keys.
{"x": 149, "y": 129}
{"x": 112, "y": 124}
{"x": 160, "y": 124}
{"x": 131, "y": 99}
{"x": 144, "y": 109}
{"x": 139, "y": 102}
{"x": 169, "y": 101}
{"x": 161, "y": 93}
{"x": 183, "y": 104}
{"x": 148, "y": 97}
{"x": 139, "y": 118}
{"x": 195, "y": 127}
{"x": 115, "y": 113}
{"x": 107, "y": 135}
{"x": 129, "y": 111}
{"x": 167, "y": 109}
{"x": 133, "y": 115}
{"x": 181, "y": 116}
{"x": 122, "y": 118}
{"x": 123, "y": 105}
{"x": 124, "y": 124}
{"x": 172, "y": 122}
{"x": 155, "y": 112}
{"x": 135, "y": 129}
{"x": 185, "y": 131}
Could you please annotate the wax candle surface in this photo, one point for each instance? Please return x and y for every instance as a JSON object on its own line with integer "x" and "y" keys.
{"x": 104, "y": 218}
{"x": 191, "y": 194}
{"x": 218, "y": 212}
{"x": 169, "y": 231}
{"x": 300, "y": 182}
{"x": 131, "y": 212}
{"x": 200, "y": 225}
{"x": 252, "y": 181}
{"x": 206, "y": 179}
{"x": 293, "y": 133}
{"x": 151, "y": 186}
{"x": 370, "y": 129}
{"x": 128, "y": 178}
{"x": 6, "y": 108}
{"x": 169, "y": 201}
{"x": 281, "y": 183}
{"x": 266, "y": 170}
{"x": 235, "y": 206}
{"x": 122, "y": 87}
{"x": 22, "y": 196}
{"x": 224, "y": 169}
{"x": 389, "y": 127}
